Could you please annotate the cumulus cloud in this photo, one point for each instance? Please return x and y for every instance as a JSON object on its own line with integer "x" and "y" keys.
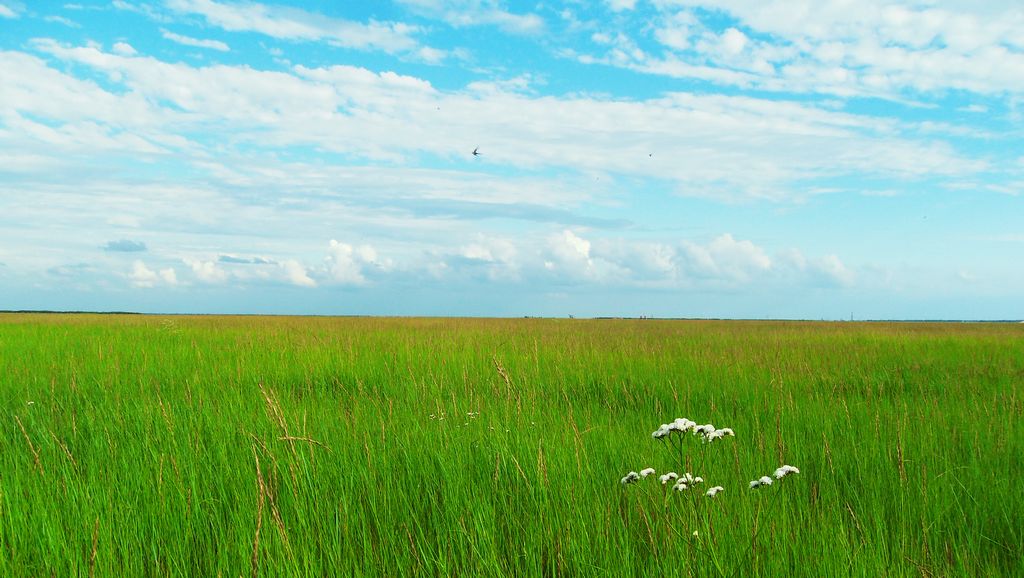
{"x": 207, "y": 271}
{"x": 124, "y": 49}
{"x": 296, "y": 274}
{"x": 347, "y": 264}
{"x": 144, "y": 277}
{"x": 125, "y": 246}
{"x": 725, "y": 258}
{"x": 493, "y": 259}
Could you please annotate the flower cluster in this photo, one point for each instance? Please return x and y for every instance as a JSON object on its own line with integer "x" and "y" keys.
{"x": 686, "y": 481}
{"x": 779, "y": 474}
{"x": 707, "y": 432}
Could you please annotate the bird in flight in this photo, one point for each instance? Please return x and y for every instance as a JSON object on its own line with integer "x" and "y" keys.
{"x": 476, "y": 152}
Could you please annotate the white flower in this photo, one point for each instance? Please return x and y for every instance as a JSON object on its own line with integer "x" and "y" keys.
{"x": 755, "y": 484}
{"x": 646, "y": 472}
{"x": 712, "y": 491}
{"x": 680, "y": 486}
{"x": 662, "y": 431}
{"x": 704, "y": 430}
{"x": 765, "y": 481}
{"x": 687, "y": 477}
{"x": 669, "y": 476}
{"x": 785, "y": 471}
{"x": 698, "y": 480}
{"x": 682, "y": 424}
{"x": 719, "y": 433}
{"x": 630, "y": 478}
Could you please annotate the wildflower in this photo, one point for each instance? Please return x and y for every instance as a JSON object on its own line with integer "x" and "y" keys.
{"x": 785, "y": 471}
{"x": 630, "y": 478}
{"x": 719, "y": 433}
{"x": 646, "y": 472}
{"x": 765, "y": 481}
{"x": 669, "y": 476}
{"x": 681, "y": 424}
{"x": 680, "y": 486}
{"x": 662, "y": 431}
{"x": 755, "y": 484}
{"x": 712, "y": 491}
{"x": 695, "y": 534}
{"x": 704, "y": 430}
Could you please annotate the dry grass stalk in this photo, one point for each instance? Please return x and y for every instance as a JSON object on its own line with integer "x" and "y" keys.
{"x": 95, "y": 544}
{"x": 67, "y": 452}
{"x": 35, "y": 454}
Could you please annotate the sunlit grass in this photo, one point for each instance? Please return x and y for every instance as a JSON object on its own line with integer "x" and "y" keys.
{"x": 208, "y": 446}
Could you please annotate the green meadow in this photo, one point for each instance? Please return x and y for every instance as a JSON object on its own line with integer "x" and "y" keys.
{"x": 276, "y": 446}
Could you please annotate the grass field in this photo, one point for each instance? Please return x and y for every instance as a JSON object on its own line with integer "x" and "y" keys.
{"x": 242, "y": 446}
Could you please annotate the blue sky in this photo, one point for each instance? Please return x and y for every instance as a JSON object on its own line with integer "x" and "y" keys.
{"x": 721, "y": 158}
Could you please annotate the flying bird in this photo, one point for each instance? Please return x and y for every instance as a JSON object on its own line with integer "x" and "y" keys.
{"x": 476, "y": 152}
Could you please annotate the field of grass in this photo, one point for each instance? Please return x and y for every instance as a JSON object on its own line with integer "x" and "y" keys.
{"x": 257, "y": 446}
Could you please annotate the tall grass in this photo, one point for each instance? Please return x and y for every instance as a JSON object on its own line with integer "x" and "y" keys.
{"x": 254, "y": 446}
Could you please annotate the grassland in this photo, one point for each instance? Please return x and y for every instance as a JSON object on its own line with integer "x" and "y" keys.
{"x": 241, "y": 446}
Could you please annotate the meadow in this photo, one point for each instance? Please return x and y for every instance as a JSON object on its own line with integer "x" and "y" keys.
{"x": 265, "y": 446}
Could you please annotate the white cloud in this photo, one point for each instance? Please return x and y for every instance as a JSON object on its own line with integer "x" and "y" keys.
{"x": 389, "y": 117}
{"x": 296, "y": 24}
{"x": 620, "y": 5}
{"x": 347, "y": 265}
{"x": 143, "y": 276}
{"x": 58, "y": 19}
{"x": 296, "y": 274}
{"x": 7, "y": 12}
{"x": 725, "y": 258}
{"x": 207, "y": 271}
{"x": 873, "y": 49}
{"x": 196, "y": 42}
{"x": 124, "y": 49}
{"x": 496, "y": 259}
{"x": 462, "y": 13}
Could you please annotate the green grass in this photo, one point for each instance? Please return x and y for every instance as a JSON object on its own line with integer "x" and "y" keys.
{"x": 150, "y": 447}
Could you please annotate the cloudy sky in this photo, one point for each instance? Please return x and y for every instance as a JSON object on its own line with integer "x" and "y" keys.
{"x": 686, "y": 158}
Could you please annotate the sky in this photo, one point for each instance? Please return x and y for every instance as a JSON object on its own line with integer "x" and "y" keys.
{"x": 812, "y": 159}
